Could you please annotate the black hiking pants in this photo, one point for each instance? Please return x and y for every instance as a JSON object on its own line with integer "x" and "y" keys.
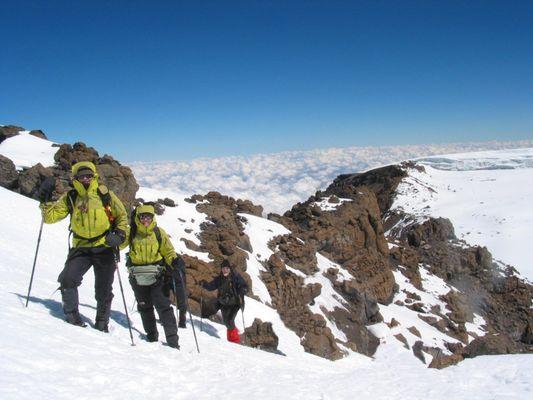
{"x": 168, "y": 287}
{"x": 79, "y": 261}
{"x": 152, "y": 296}
{"x": 228, "y": 312}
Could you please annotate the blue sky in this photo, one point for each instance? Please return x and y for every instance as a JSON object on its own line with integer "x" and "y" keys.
{"x": 180, "y": 80}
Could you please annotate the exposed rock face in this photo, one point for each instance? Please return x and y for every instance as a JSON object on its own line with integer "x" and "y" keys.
{"x": 38, "y": 133}
{"x": 296, "y": 253}
{"x": 503, "y": 300}
{"x": 30, "y": 179}
{"x": 117, "y": 177}
{"x": 490, "y": 345}
{"x": 8, "y": 173}
{"x": 381, "y": 181}
{"x": 9, "y": 131}
{"x": 222, "y": 237}
{"x": 291, "y": 297}
{"x": 350, "y": 234}
{"x": 484, "y": 289}
{"x": 261, "y": 335}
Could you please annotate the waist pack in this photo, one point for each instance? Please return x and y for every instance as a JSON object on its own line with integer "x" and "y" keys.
{"x": 146, "y": 275}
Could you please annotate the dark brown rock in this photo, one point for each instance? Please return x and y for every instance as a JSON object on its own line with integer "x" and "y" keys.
{"x": 295, "y": 253}
{"x": 261, "y": 335}
{"x": 38, "y": 133}
{"x": 382, "y": 181}
{"x": 414, "y": 331}
{"x": 169, "y": 202}
{"x": 30, "y": 180}
{"x": 68, "y": 155}
{"x": 417, "y": 351}
{"x": 8, "y": 173}
{"x": 351, "y": 235}
{"x": 8, "y": 131}
{"x": 403, "y": 340}
{"x": 490, "y": 345}
{"x": 442, "y": 361}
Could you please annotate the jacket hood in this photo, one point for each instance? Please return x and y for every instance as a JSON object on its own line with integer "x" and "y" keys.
{"x": 81, "y": 165}
{"x": 145, "y": 208}
{"x": 77, "y": 185}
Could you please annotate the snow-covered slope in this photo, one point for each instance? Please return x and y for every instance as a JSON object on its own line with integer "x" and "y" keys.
{"x": 486, "y": 195}
{"x": 43, "y": 357}
{"x": 26, "y": 150}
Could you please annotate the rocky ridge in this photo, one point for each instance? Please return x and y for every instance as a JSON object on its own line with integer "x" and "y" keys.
{"x": 117, "y": 177}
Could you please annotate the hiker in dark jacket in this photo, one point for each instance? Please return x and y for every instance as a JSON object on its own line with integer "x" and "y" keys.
{"x": 151, "y": 253}
{"x": 98, "y": 222}
{"x": 230, "y": 298}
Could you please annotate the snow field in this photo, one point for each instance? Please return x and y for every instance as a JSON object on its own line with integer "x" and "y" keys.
{"x": 26, "y": 150}
{"x": 488, "y": 207}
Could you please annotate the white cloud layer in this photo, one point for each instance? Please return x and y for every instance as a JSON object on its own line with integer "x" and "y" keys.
{"x": 280, "y": 180}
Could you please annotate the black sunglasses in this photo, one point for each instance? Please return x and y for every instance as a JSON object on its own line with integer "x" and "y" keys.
{"x": 146, "y": 216}
{"x": 84, "y": 176}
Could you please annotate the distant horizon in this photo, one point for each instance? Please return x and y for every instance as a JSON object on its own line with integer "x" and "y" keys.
{"x": 496, "y": 145}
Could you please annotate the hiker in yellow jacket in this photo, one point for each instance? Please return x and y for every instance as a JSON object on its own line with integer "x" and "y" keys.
{"x": 99, "y": 222}
{"x": 152, "y": 255}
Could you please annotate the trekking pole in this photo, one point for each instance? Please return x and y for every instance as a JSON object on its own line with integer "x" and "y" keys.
{"x": 133, "y": 305}
{"x": 201, "y": 312}
{"x": 34, "y": 261}
{"x": 188, "y": 308}
{"x": 243, "y": 325}
{"x": 117, "y": 259}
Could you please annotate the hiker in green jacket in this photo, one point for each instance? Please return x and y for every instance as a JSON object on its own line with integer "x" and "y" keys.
{"x": 99, "y": 222}
{"x": 151, "y": 254}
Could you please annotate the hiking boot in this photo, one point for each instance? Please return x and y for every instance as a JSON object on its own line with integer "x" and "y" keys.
{"x": 172, "y": 341}
{"x": 233, "y": 336}
{"x": 152, "y": 337}
{"x": 182, "y": 319}
{"x": 102, "y": 326}
{"x": 74, "y": 318}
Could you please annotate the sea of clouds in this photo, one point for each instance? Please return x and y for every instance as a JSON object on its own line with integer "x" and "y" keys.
{"x": 280, "y": 180}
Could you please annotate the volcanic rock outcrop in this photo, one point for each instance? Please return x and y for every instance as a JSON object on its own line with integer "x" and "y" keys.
{"x": 260, "y": 335}
{"x": 117, "y": 177}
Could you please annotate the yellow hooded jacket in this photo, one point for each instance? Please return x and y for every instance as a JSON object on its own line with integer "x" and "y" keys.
{"x": 144, "y": 246}
{"x": 89, "y": 219}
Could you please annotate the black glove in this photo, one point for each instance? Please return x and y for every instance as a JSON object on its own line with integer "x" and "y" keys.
{"x": 115, "y": 238}
{"x": 46, "y": 189}
{"x": 203, "y": 283}
{"x": 178, "y": 265}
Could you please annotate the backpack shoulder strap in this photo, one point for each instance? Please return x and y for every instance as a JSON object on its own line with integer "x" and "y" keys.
{"x": 103, "y": 192}
{"x": 158, "y": 235}
{"x": 105, "y": 197}
{"x": 71, "y": 199}
{"x": 133, "y": 225}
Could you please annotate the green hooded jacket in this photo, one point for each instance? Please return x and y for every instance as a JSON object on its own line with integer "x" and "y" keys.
{"x": 89, "y": 219}
{"x": 144, "y": 246}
